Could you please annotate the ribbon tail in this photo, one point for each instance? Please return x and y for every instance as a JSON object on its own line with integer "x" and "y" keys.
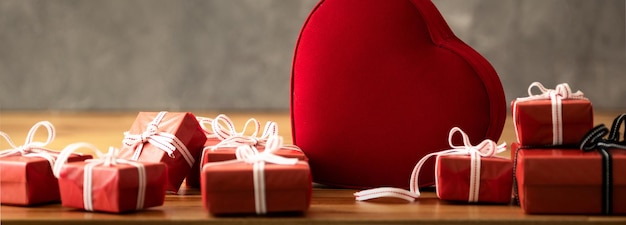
{"x": 386, "y": 192}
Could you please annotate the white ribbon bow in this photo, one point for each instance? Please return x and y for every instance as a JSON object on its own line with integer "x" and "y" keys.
{"x": 162, "y": 140}
{"x": 105, "y": 159}
{"x": 32, "y": 148}
{"x": 486, "y": 148}
{"x": 557, "y": 95}
{"x": 249, "y": 154}
{"x": 208, "y": 131}
{"x": 224, "y": 129}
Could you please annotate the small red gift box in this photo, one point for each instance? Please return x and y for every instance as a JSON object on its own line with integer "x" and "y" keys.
{"x": 257, "y": 182}
{"x": 567, "y": 181}
{"x": 223, "y": 140}
{"x": 26, "y": 176}
{"x": 463, "y": 173}
{"x": 29, "y": 180}
{"x": 175, "y": 139}
{"x": 554, "y": 118}
{"x": 231, "y": 189}
{"x": 453, "y": 174}
{"x": 112, "y": 185}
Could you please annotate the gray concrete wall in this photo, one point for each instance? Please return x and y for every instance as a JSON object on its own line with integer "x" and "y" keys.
{"x": 236, "y": 54}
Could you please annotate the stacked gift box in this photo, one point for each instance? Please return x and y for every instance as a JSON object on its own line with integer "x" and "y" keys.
{"x": 562, "y": 165}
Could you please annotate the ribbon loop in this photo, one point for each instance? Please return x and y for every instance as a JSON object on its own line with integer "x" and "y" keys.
{"x": 224, "y": 127}
{"x": 486, "y": 148}
{"x": 594, "y": 141}
{"x": 615, "y": 128}
{"x": 225, "y": 130}
{"x": 591, "y": 140}
{"x": 32, "y": 148}
{"x": 562, "y": 91}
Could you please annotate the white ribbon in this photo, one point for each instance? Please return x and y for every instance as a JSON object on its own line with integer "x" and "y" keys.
{"x": 486, "y": 148}
{"x": 162, "y": 140}
{"x": 225, "y": 130}
{"x": 556, "y": 96}
{"x": 109, "y": 159}
{"x": 208, "y": 131}
{"x": 247, "y": 154}
{"x": 32, "y": 148}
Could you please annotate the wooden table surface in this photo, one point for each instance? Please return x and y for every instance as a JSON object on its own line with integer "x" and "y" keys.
{"x": 328, "y": 206}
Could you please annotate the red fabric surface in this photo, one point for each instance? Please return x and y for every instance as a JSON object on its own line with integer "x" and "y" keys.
{"x": 114, "y": 189}
{"x": 185, "y": 127}
{"x": 567, "y": 181}
{"x": 534, "y": 121}
{"x": 377, "y": 85}
{"x": 496, "y": 179}
{"x": 29, "y": 180}
{"x": 229, "y": 189}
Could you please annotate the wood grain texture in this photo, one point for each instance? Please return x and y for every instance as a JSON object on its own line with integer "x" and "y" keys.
{"x": 328, "y": 206}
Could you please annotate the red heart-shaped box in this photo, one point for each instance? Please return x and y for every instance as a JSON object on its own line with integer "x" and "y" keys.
{"x": 378, "y": 84}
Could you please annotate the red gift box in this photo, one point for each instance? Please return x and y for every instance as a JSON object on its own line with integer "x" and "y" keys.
{"x": 230, "y": 188}
{"x": 556, "y": 117}
{"x": 463, "y": 173}
{"x": 29, "y": 180}
{"x": 453, "y": 179}
{"x": 223, "y": 140}
{"x": 112, "y": 185}
{"x": 26, "y": 176}
{"x": 175, "y": 139}
{"x": 193, "y": 178}
{"x": 567, "y": 181}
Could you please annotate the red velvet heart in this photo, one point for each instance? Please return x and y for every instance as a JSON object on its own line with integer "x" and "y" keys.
{"x": 378, "y": 84}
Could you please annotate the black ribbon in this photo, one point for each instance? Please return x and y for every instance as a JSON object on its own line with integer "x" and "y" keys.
{"x": 594, "y": 140}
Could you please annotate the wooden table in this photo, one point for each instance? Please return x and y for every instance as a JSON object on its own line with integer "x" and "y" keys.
{"x": 329, "y": 206}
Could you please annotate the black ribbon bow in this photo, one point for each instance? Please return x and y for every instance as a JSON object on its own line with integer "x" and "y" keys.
{"x": 594, "y": 140}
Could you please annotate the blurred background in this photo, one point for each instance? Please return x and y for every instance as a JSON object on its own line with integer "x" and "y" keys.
{"x": 130, "y": 55}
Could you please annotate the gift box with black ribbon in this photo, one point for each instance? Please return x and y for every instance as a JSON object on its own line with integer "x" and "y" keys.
{"x": 588, "y": 180}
